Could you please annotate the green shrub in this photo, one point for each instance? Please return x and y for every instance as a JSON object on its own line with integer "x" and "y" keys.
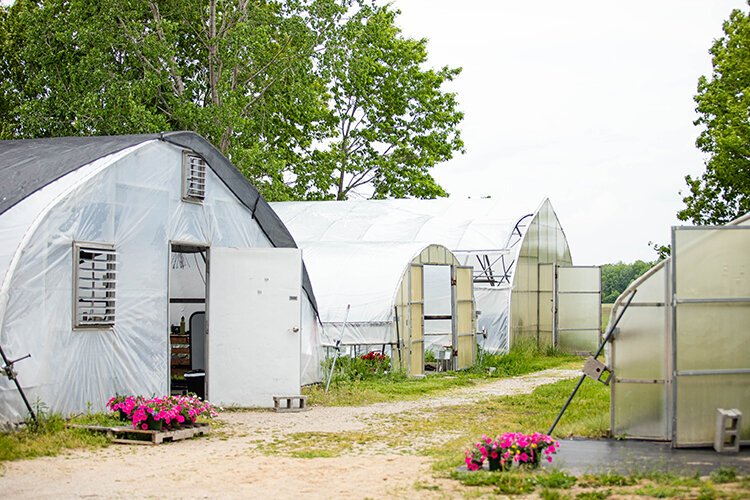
{"x": 357, "y": 369}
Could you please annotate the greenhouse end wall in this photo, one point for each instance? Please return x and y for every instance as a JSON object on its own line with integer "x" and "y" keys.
{"x": 543, "y": 243}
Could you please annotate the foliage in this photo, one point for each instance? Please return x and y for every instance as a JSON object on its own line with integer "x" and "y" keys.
{"x": 724, "y": 475}
{"x": 556, "y": 479}
{"x": 355, "y": 369}
{"x": 391, "y": 120}
{"x": 520, "y": 360}
{"x": 723, "y": 191}
{"x": 47, "y": 436}
{"x": 617, "y": 277}
{"x": 508, "y": 484}
{"x": 662, "y": 251}
{"x": 308, "y": 98}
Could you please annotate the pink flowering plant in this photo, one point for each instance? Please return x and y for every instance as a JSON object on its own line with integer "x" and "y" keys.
{"x": 158, "y": 412}
{"x": 524, "y": 450}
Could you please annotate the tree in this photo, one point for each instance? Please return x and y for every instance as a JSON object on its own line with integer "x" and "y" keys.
{"x": 264, "y": 81}
{"x": 617, "y": 277}
{"x": 723, "y": 102}
{"x": 392, "y": 121}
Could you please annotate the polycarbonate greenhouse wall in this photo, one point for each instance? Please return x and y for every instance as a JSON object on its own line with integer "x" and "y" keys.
{"x": 544, "y": 243}
{"x": 682, "y": 349}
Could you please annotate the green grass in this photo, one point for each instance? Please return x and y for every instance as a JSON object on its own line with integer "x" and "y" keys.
{"x": 49, "y": 437}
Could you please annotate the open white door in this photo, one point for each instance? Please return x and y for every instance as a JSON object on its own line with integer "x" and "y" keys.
{"x": 254, "y": 307}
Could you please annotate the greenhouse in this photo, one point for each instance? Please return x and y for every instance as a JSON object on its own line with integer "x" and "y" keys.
{"x": 119, "y": 254}
{"x": 525, "y": 287}
{"x": 399, "y": 299}
{"x": 681, "y": 350}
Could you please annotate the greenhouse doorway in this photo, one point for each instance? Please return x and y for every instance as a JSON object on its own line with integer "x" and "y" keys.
{"x": 439, "y": 332}
{"x": 188, "y": 278}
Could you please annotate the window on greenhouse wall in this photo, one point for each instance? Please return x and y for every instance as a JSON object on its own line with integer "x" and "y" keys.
{"x": 95, "y": 284}
{"x": 193, "y": 178}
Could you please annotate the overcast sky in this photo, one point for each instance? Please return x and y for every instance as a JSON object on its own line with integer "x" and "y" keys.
{"x": 587, "y": 102}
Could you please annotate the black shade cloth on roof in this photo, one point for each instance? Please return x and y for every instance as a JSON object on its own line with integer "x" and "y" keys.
{"x": 28, "y": 165}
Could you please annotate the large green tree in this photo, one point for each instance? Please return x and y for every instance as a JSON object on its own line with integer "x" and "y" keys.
{"x": 263, "y": 80}
{"x": 723, "y": 104}
{"x": 391, "y": 119}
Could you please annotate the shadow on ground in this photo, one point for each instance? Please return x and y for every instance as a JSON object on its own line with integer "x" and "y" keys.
{"x": 580, "y": 456}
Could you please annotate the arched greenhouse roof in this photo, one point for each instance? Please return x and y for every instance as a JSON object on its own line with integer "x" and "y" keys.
{"x": 458, "y": 224}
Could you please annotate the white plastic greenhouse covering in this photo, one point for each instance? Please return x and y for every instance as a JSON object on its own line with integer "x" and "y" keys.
{"x": 363, "y": 277}
{"x": 132, "y": 198}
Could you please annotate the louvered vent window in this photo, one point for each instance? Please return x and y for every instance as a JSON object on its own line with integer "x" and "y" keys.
{"x": 95, "y": 282}
{"x": 193, "y": 178}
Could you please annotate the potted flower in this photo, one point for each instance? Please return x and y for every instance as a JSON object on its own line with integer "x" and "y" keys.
{"x": 524, "y": 450}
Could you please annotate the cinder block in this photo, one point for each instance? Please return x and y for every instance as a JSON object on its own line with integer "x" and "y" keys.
{"x": 728, "y": 425}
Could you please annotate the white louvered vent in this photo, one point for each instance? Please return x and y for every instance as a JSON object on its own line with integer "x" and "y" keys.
{"x": 95, "y": 283}
{"x": 193, "y": 178}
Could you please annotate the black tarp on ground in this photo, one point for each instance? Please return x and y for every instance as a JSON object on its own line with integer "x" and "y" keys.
{"x": 580, "y": 456}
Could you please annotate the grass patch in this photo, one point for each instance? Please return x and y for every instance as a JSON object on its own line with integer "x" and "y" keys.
{"x": 594, "y": 481}
{"x": 659, "y": 491}
{"x": 48, "y": 437}
{"x": 556, "y": 480}
{"x": 594, "y": 495}
{"x": 724, "y": 475}
{"x": 508, "y": 483}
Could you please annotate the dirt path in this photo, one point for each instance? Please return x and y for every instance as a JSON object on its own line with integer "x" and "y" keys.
{"x": 229, "y": 464}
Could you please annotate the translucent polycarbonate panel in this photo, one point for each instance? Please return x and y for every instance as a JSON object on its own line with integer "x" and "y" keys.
{"x": 438, "y": 327}
{"x": 465, "y": 320}
{"x": 712, "y": 263}
{"x": 578, "y": 341}
{"x": 698, "y": 397}
{"x": 546, "y": 312}
{"x": 713, "y": 336}
{"x": 639, "y": 349}
{"x": 578, "y": 279}
{"x": 437, "y": 290}
{"x": 546, "y": 277}
{"x": 416, "y": 340}
{"x": 578, "y": 310}
{"x": 416, "y": 284}
{"x": 654, "y": 288}
{"x": 416, "y": 315}
{"x": 640, "y": 411}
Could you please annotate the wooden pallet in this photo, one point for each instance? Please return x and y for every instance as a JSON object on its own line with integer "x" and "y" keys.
{"x": 128, "y": 435}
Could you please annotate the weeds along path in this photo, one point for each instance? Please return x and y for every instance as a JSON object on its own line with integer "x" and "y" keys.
{"x": 248, "y": 455}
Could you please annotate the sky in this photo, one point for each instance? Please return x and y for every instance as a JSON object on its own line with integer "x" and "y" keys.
{"x": 586, "y": 102}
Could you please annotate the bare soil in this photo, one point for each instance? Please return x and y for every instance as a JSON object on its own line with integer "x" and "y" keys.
{"x": 230, "y": 463}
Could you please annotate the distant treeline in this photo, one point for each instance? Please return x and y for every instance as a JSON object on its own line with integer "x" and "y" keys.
{"x": 617, "y": 277}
